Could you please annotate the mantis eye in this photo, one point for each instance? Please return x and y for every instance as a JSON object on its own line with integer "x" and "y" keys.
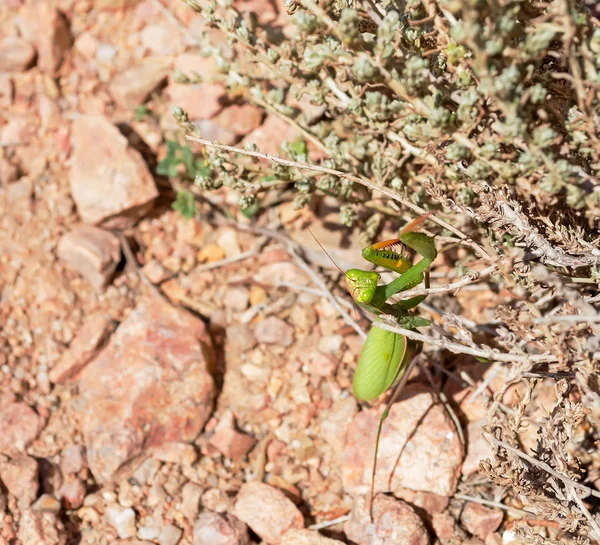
{"x": 365, "y": 295}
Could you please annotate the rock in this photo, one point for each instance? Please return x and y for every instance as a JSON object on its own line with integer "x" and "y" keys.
{"x": 92, "y": 252}
{"x": 271, "y": 134}
{"x": 110, "y": 183}
{"x": 444, "y": 526}
{"x": 215, "y": 499}
{"x": 478, "y": 449}
{"x": 175, "y": 453}
{"x": 122, "y": 520}
{"x": 231, "y": 443}
{"x": 47, "y": 29}
{"x": 158, "y": 39}
{"x": 428, "y": 502}
{"x": 273, "y": 330}
{"x": 133, "y": 86}
{"x": 86, "y": 44}
{"x": 307, "y": 537}
{"x": 394, "y": 523}
{"x": 190, "y": 500}
{"x": 20, "y": 129}
{"x": 20, "y": 476}
{"x": 212, "y": 130}
{"x": 46, "y": 503}
{"x": 20, "y": 425}
{"x": 155, "y": 272}
{"x": 419, "y": 447}
{"x": 214, "y": 529}
{"x": 199, "y": 100}
{"x": 273, "y": 274}
{"x": 16, "y": 54}
{"x": 72, "y": 492}
{"x": 49, "y": 113}
{"x": 19, "y": 193}
{"x": 480, "y": 520}
{"x": 240, "y": 119}
{"x": 73, "y": 459}
{"x": 149, "y": 387}
{"x": 36, "y": 528}
{"x": 170, "y": 535}
{"x": 267, "y": 511}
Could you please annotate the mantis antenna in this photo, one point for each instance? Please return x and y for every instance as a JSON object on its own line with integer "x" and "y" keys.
{"x": 354, "y": 304}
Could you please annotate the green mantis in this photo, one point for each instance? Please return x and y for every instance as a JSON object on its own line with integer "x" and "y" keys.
{"x": 386, "y": 356}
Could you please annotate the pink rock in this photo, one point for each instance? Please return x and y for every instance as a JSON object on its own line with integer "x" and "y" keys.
{"x": 19, "y": 130}
{"x": 267, "y": 510}
{"x": 150, "y": 386}
{"x": 240, "y": 119}
{"x": 271, "y": 134}
{"x": 92, "y": 252}
{"x": 480, "y": 520}
{"x": 49, "y": 113}
{"x": 478, "y": 448}
{"x": 214, "y": 529}
{"x": 72, "y": 492}
{"x": 175, "y": 453}
{"x": 155, "y": 272}
{"x": 307, "y": 537}
{"x": 16, "y": 55}
{"x": 199, "y": 100}
{"x": 47, "y": 29}
{"x": 190, "y": 500}
{"x": 212, "y": 130}
{"x": 82, "y": 349}
{"x": 73, "y": 460}
{"x": 231, "y": 443}
{"x": 273, "y": 330}
{"x": 110, "y": 183}
{"x": 444, "y": 526}
{"x": 20, "y": 425}
{"x": 86, "y": 44}
{"x": 46, "y": 503}
{"x": 419, "y": 447}
{"x": 20, "y": 476}
{"x": 133, "y": 86}
{"x": 394, "y": 523}
{"x": 36, "y": 528}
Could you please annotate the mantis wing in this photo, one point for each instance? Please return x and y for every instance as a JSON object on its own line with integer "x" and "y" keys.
{"x": 381, "y": 362}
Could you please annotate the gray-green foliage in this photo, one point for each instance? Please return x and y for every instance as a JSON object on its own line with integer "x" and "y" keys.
{"x": 449, "y": 97}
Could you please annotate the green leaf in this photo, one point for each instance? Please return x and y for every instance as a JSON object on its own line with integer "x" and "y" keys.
{"x": 185, "y": 204}
{"x": 299, "y": 147}
{"x": 251, "y": 210}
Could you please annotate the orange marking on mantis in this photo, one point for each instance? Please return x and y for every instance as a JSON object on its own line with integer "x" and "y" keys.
{"x": 384, "y": 244}
{"x": 415, "y": 223}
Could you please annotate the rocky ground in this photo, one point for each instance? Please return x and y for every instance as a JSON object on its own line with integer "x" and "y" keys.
{"x": 167, "y": 380}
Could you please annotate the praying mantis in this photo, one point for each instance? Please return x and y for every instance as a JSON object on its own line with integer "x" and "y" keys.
{"x": 386, "y": 356}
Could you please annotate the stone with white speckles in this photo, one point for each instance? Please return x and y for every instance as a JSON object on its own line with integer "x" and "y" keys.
{"x": 419, "y": 448}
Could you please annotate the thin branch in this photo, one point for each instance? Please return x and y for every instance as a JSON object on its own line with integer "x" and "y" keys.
{"x": 568, "y": 319}
{"x": 491, "y": 503}
{"x": 469, "y": 278}
{"x": 456, "y": 348}
{"x": 328, "y": 523}
{"x": 544, "y": 466}
{"x": 340, "y": 174}
{"x": 593, "y": 523}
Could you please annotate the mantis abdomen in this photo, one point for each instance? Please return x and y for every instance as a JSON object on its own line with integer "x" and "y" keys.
{"x": 381, "y": 362}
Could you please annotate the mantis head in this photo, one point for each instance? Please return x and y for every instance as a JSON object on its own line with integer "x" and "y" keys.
{"x": 362, "y": 284}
